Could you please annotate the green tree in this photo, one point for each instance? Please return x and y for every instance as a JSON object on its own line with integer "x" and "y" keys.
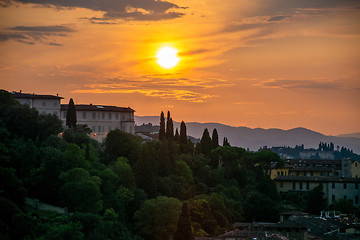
{"x": 316, "y": 200}
{"x": 162, "y": 132}
{"x": 121, "y": 144}
{"x": 226, "y": 142}
{"x": 215, "y": 139}
{"x": 154, "y": 221}
{"x": 49, "y": 124}
{"x": 124, "y": 172}
{"x": 169, "y": 127}
{"x": 71, "y": 115}
{"x": 183, "y": 231}
{"x": 145, "y": 174}
{"x": 81, "y": 192}
{"x": 206, "y": 142}
{"x": 259, "y": 207}
{"x": 344, "y": 206}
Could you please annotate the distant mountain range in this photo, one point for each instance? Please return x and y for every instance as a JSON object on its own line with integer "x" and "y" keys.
{"x": 258, "y": 137}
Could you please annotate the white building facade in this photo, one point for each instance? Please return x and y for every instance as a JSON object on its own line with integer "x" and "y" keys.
{"x": 45, "y": 104}
{"x": 102, "y": 119}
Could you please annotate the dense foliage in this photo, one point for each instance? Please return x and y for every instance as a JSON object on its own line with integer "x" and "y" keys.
{"x": 124, "y": 188}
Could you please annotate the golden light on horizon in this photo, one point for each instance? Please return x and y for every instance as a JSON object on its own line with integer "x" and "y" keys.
{"x": 167, "y": 57}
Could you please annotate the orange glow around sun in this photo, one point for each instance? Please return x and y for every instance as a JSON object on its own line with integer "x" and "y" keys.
{"x": 167, "y": 57}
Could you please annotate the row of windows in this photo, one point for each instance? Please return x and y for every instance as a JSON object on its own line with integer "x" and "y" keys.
{"x": 345, "y": 197}
{"x": 101, "y": 129}
{"x": 44, "y": 104}
{"x": 308, "y": 185}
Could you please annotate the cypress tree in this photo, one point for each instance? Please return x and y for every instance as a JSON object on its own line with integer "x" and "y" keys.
{"x": 215, "y": 139}
{"x": 177, "y": 136}
{"x": 71, "y": 115}
{"x": 226, "y": 142}
{"x": 171, "y": 133}
{"x": 169, "y": 128}
{"x": 183, "y": 231}
{"x": 162, "y": 127}
{"x": 206, "y": 142}
{"x": 183, "y": 137}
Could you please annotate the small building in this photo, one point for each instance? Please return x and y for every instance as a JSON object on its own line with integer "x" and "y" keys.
{"x": 102, "y": 119}
{"x": 45, "y": 104}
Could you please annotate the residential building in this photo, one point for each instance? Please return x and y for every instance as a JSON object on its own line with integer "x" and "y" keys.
{"x": 355, "y": 169}
{"x": 102, "y": 119}
{"x": 45, "y": 104}
{"x": 335, "y": 188}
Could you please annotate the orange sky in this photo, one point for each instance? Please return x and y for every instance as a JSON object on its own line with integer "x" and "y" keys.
{"x": 259, "y": 63}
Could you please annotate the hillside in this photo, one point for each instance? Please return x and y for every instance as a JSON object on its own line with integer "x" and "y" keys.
{"x": 258, "y": 137}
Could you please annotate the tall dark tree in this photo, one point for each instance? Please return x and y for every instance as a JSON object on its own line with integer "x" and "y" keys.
{"x": 71, "y": 115}
{"x": 215, "y": 139}
{"x": 177, "y": 136}
{"x": 226, "y": 142}
{"x": 162, "y": 127}
{"x": 206, "y": 142}
{"x": 169, "y": 128}
{"x": 183, "y": 231}
{"x": 316, "y": 200}
{"x": 183, "y": 137}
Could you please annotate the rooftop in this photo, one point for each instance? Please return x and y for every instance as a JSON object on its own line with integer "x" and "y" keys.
{"x": 34, "y": 96}
{"x": 317, "y": 179}
{"x": 103, "y": 108}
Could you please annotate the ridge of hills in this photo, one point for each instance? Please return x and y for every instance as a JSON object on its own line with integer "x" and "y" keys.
{"x": 255, "y": 138}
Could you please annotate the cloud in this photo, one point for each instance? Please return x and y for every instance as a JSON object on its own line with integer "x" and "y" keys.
{"x": 35, "y": 34}
{"x": 140, "y": 10}
{"x": 167, "y": 87}
{"x": 316, "y": 84}
{"x": 277, "y": 18}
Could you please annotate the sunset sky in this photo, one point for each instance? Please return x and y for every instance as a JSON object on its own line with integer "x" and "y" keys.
{"x": 254, "y": 63}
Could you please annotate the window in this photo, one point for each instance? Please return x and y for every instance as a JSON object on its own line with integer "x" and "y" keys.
{"x": 304, "y": 173}
{"x": 294, "y": 185}
{"x": 99, "y": 128}
{"x": 103, "y": 128}
{"x": 301, "y": 185}
{"x": 84, "y": 115}
{"x": 282, "y": 173}
{"x": 98, "y": 115}
{"x": 93, "y": 115}
{"x": 281, "y": 184}
{"x": 333, "y": 198}
{"x": 311, "y": 173}
{"x": 110, "y": 115}
{"x": 116, "y": 116}
{"x": 93, "y": 128}
{"x": 55, "y": 104}
{"x": 344, "y": 185}
{"x": 109, "y": 128}
{"x": 43, "y": 104}
{"x": 297, "y": 173}
{"x": 307, "y": 186}
{"x": 103, "y": 115}
{"x": 278, "y": 173}
{"x": 333, "y": 185}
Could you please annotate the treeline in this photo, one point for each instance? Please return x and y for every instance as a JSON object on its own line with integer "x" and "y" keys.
{"x": 338, "y": 154}
{"x": 125, "y": 188}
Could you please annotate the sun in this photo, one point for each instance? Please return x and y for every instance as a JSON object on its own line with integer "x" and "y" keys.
{"x": 167, "y": 57}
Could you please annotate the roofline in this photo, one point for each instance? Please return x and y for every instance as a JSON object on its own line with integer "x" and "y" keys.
{"x": 96, "y": 108}
{"x": 33, "y": 95}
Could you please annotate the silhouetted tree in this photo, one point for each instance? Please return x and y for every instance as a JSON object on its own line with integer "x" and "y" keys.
{"x": 183, "y": 231}
{"x": 206, "y": 142}
{"x": 183, "y": 137}
{"x": 71, "y": 115}
{"x": 177, "y": 136}
{"x": 316, "y": 200}
{"x": 162, "y": 127}
{"x": 226, "y": 142}
{"x": 215, "y": 139}
{"x": 169, "y": 128}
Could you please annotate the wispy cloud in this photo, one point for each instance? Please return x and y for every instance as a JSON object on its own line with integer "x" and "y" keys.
{"x": 140, "y": 10}
{"x": 301, "y": 84}
{"x": 36, "y": 34}
{"x": 164, "y": 86}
